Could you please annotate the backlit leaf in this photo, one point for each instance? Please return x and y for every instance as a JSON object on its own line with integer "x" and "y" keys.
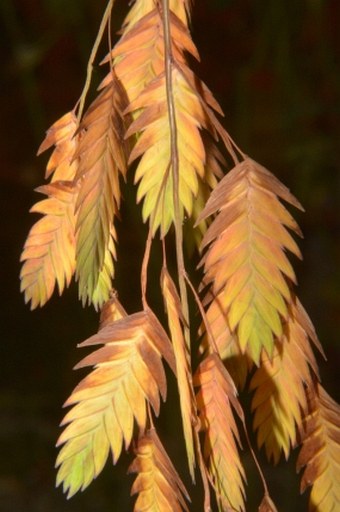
{"x": 101, "y": 156}
{"x": 128, "y": 373}
{"x": 111, "y": 311}
{"x": 216, "y": 394}
{"x": 141, "y": 8}
{"x": 139, "y": 54}
{"x": 139, "y": 63}
{"x": 280, "y": 398}
{"x": 267, "y": 505}
{"x": 320, "y": 452}
{"x": 245, "y": 264}
{"x": 49, "y": 252}
{"x": 61, "y": 165}
{"x": 183, "y": 365}
{"x": 157, "y": 483}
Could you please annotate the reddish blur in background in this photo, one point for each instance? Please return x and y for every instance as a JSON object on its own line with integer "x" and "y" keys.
{"x": 273, "y": 66}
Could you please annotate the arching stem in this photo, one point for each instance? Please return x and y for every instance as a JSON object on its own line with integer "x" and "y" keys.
{"x": 89, "y": 70}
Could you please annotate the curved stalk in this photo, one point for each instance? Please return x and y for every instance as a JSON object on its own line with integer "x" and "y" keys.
{"x": 89, "y": 69}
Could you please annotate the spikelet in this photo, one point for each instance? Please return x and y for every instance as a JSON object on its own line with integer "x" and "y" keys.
{"x": 237, "y": 364}
{"x": 320, "y": 452}
{"x": 157, "y": 483}
{"x": 139, "y": 54}
{"x": 139, "y": 64}
{"x": 183, "y": 365}
{"x": 111, "y": 311}
{"x": 62, "y": 165}
{"x": 141, "y": 8}
{"x": 49, "y": 251}
{"x": 215, "y": 396}
{"x": 101, "y": 155}
{"x": 267, "y": 505}
{"x": 280, "y": 399}
{"x": 245, "y": 264}
{"x": 128, "y": 373}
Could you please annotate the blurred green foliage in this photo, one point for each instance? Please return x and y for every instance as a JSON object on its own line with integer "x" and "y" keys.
{"x": 272, "y": 65}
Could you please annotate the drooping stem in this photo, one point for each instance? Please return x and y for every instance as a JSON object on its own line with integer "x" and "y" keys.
{"x": 257, "y": 464}
{"x": 144, "y": 272}
{"x": 152, "y": 426}
{"x": 89, "y": 69}
{"x": 203, "y": 314}
{"x": 175, "y": 166}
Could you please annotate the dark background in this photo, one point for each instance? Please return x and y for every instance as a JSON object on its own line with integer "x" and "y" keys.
{"x": 273, "y": 66}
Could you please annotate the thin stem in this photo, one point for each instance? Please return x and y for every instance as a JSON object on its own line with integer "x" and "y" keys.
{"x": 164, "y": 253}
{"x": 203, "y": 315}
{"x": 89, "y": 70}
{"x": 144, "y": 272}
{"x": 175, "y": 166}
{"x": 257, "y": 464}
{"x": 203, "y": 469}
{"x": 228, "y": 141}
{"x": 109, "y": 40}
{"x": 152, "y": 426}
